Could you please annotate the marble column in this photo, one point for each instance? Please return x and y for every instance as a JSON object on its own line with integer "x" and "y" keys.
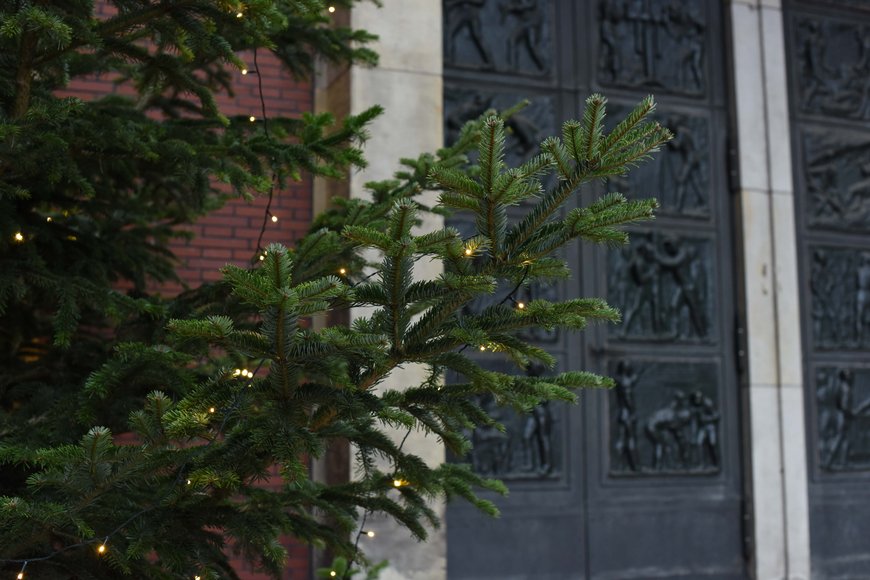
{"x": 775, "y": 404}
{"x": 408, "y": 83}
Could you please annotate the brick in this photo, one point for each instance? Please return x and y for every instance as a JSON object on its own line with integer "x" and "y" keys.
{"x": 229, "y": 234}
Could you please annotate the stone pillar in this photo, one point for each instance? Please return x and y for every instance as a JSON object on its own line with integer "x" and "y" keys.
{"x": 776, "y": 424}
{"x": 408, "y": 83}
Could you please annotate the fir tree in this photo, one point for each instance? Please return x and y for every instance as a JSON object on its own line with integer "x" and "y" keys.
{"x": 92, "y": 192}
{"x": 241, "y": 382}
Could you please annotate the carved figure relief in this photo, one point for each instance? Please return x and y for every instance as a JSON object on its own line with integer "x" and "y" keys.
{"x": 656, "y": 44}
{"x": 525, "y": 130}
{"x": 680, "y": 180}
{"x": 666, "y": 419}
{"x": 515, "y": 37}
{"x": 843, "y": 414}
{"x": 840, "y": 298}
{"x": 837, "y": 174}
{"x": 528, "y": 448}
{"x": 465, "y": 16}
{"x": 662, "y": 283}
{"x": 833, "y": 65}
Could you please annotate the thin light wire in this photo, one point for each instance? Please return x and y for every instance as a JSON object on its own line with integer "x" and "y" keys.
{"x": 268, "y": 211}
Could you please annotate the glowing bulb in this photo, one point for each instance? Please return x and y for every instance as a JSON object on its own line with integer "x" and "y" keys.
{"x": 18, "y": 237}
{"x": 331, "y": 8}
{"x": 274, "y": 219}
{"x": 48, "y": 219}
{"x": 521, "y": 305}
{"x": 252, "y": 118}
{"x": 102, "y": 549}
{"x": 211, "y": 409}
{"x": 239, "y": 14}
{"x": 262, "y": 257}
{"x": 399, "y": 483}
{"x": 189, "y": 482}
{"x": 244, "y": 71}
{"x": 197, "y": 578}
{"x": 237, "y": 372}
{"x": 370, "y": 534}
{"x": 342, "y": 271}
{"x": 482, "y": 348}
{"x": 20, "y": 576}
{"x": 332, "y": 573}
{"x": 468, "y": 251}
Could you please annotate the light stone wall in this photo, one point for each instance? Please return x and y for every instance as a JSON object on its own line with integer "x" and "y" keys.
{"x": 777, "y": 447}
{"x": 407, "y": 82}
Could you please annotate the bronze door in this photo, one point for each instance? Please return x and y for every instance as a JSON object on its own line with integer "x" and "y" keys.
{"x": 643, "y": 481}
{"x": 828, "y": 46}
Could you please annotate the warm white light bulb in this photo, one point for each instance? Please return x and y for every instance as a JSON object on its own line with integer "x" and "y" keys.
{"x": 332, "y": 573}
{"x": 102, "y": 549}
{"x": 468, "y": 251}
{"x": 20, "y": 576}
{"x": 262, "y": 257}
{"x": 18, "y": 237}
{"x": 274, "y": 219}
{"x": 521, "y": 305}
{"x": 211, "y": 409}
{"x": 244, "y": 71}
{"x": 48, "y": 219}
{"x": 331, "y": 8}
{"x": 482, "y": 348}
{"x": 252, "y": 118}
{"x": 370, "y": 534}
{"x": 239, "y": 14}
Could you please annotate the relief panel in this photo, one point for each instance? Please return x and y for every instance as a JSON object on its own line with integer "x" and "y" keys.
{"x": 510, "y": 36}
{"x": 525, "y": 129}
{"x": 664, "y": 418}
{"x": 663, "y": 284}
{"x": 840, "y": 298}
{"x": 655, "y": 45}
{"x": 837, "y": 175}
{"x": 843, "y": 418}
{"x": 531, "y": 445}
{"x": 832, "y": 65}
{"x": 679, "y": 177}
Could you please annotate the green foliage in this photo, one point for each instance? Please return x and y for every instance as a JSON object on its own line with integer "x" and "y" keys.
{"x": 245, "y": 385}
{"x": 93, "y": 191}
{"x": 342, "y": 569}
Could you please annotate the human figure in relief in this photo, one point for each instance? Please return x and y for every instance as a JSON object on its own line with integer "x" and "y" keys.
{"x": 626, "y": 415}
{"x": 642, "y": 273}
{"x": 465, "y": 15}
{"x": 677, "y": 260}
{"x": 665, "y": 429}
{"x": 528, "y": 32}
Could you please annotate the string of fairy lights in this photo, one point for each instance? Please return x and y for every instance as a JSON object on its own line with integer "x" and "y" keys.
{"x": 102, "y": 542}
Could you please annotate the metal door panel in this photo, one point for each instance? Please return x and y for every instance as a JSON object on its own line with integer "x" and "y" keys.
{"x": 650, "y": 485}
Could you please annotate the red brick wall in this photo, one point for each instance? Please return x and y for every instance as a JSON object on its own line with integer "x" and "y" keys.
{"x": 230, "y": 235}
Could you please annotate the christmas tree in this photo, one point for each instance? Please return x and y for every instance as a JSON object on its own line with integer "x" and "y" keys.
{"x": 222, "y": 385}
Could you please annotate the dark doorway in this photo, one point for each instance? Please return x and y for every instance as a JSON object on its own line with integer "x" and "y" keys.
{"x": 828, "y": 46}
{"x": 643, "y": 481}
